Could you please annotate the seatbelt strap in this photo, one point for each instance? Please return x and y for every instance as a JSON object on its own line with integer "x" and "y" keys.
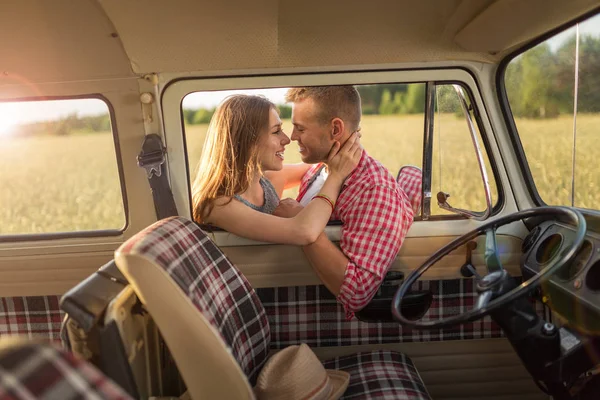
{"x": 152, "y": 159}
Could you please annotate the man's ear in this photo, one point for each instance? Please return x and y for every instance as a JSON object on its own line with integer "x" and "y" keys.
{"x": 337, "y": 128}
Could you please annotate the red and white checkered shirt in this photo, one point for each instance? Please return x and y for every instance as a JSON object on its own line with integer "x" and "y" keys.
{"x": 376, "y": 213}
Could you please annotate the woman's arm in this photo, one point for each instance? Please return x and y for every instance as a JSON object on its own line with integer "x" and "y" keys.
{"x": 306, "y": 226}
{"x": 290, "y": 176}
{"x": 241, "y": 220}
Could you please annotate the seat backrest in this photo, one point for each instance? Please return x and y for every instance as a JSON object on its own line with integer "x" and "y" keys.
{"x": 410, "y": 179}
{"x": 208, "y": 314}
{"x": 38, "y": 370}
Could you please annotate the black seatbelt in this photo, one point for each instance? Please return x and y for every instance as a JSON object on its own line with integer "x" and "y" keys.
{"x": 152, "y": 159}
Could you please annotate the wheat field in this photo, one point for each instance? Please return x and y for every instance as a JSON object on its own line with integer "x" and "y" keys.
{"x": 71, "y": 183}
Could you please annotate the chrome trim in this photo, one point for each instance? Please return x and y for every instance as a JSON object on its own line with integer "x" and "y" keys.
{"x": 428, "y": 150}
{"x": 575, "y": 97}
{"x": 443, "y": 197}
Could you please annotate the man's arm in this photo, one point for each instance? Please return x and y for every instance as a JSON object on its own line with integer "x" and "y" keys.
{"x": 290, "y": 176}
{"x": 328, "y": 261}
{"x": 375, "y": 225}
{"x": 326, "y": 258}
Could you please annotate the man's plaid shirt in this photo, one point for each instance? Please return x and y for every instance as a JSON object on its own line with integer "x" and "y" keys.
{"x": 375, "y": 213}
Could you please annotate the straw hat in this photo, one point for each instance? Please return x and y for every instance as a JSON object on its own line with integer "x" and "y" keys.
{"x": 296, "y": 373}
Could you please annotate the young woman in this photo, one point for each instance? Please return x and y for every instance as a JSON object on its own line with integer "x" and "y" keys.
{"x": 244, "y": 146}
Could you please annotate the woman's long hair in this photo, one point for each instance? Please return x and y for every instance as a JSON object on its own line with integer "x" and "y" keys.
{"x": 229, "y": 158}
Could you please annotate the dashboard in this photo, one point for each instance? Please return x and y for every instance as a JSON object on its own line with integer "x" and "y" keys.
{"x": 573, "y": 292}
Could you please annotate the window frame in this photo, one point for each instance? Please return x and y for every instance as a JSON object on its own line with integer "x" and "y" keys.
{"x": 33, "y": 237}
{"x": 496, "y": 207}
{"x": 176, "y": 90}
{"x": 506, "y": 110}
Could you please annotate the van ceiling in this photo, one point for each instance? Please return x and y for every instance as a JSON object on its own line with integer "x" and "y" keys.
{"x": 74, "y": 40}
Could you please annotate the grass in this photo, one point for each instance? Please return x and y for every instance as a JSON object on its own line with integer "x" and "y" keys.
{"x": 71, "y": 183}
{"x": 59, "y": 184}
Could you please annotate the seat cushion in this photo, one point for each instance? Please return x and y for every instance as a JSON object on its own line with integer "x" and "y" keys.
{"x": 380, "y": 374}
{"x": 44, "y": 371}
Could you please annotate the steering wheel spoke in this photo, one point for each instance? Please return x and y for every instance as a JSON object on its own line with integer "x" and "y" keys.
{"x": 483, "y": 300}
{"x": 491, "y": 256}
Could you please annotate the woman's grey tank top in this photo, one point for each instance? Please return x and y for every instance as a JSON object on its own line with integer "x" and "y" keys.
{"x": 271, "y": 198}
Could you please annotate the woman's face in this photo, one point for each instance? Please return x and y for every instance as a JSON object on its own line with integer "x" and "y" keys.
{"x": 271, "y": 144}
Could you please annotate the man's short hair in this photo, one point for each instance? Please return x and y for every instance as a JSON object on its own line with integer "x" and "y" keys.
{"x": 332, "y": 101}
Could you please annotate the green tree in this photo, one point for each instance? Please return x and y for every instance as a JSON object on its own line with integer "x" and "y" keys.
{"x": 588, "y": 99}
{"x": 513, "y": 77}
{"x": 372, "y": 95}
{"x": 203, "y": 116}
{"x": 415, "y": 98}
{"x": 531, "y": 84}
{"x": 188, "y": 115}
{"x": 447, "y": 100}
{"x": 285, "y": 111}
{"x": 386, "y": 106}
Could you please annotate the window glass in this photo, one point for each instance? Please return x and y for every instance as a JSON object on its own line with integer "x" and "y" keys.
{"x": 553, "y": 91}
{"x": 455, "y": 169}
{"x": 58, "y": 168}
{"x": 392, "y": 129}
{"x": 391, "y": 126}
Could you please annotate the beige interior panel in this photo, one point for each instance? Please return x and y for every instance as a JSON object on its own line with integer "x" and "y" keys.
{"x": 46, "y": 275}
{"x": 283, "y": 265}
{"x": 210, "y": 34}
{"x": 75, "y": 40}
{"x": 506, "y": 24}
{"x": 475, "y": 369}
{"x": 313, "y": 33}
{"x": 57, "y": 41}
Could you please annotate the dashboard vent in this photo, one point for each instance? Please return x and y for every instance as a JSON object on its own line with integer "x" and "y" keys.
{"x": 530, "y": 239}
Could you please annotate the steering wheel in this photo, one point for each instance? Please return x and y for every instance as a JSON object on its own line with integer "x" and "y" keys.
{"x": 494, "y": 283}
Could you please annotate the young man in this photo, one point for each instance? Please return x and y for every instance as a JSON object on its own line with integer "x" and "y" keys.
{"x": 375, "y": 212}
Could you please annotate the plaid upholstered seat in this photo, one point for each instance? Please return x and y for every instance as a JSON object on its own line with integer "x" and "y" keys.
{"x": 222, "y": 294}
{"x": 410, "y": 179}
{"x": 31, "y": 370}
{"x": 380, "y": 375}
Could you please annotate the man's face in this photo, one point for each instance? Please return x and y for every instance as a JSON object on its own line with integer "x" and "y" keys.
{"x": 314, "y": 139}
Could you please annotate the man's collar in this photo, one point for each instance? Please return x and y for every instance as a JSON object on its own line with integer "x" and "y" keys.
{"x": 353, "y": 175}
{"x": 357, "y": 170}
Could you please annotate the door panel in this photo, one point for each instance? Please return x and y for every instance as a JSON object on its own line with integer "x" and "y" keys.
{"x": 48, "y": 274}
{"x": 283, "y": 265}
{"x": 474, "y": 369}
{"x": 469, "y": 361}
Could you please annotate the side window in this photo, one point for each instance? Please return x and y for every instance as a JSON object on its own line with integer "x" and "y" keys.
{"x": 553, "y": 90}
{"x": 392, "y": 127}
{"x": 455, "y": 169}
{"x": 58, "y": 168}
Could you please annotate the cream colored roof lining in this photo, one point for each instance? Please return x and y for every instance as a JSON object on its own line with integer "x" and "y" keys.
{"x": 507, "y": 24}
{"x": 274, "y": 34}
{"x": 196, "y": 35}
{"x": 72, "y": 40}
{"x": 58, "y": 40}
{"x": 241, "y": 34}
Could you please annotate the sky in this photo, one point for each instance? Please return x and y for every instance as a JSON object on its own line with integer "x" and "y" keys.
{"x": 12, "y": 114}
{"x": 588, "y": 27}
{"x": 212, "y": 99}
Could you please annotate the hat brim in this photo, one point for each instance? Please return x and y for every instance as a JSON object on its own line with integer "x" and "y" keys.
{"x": 339, "y": 380}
